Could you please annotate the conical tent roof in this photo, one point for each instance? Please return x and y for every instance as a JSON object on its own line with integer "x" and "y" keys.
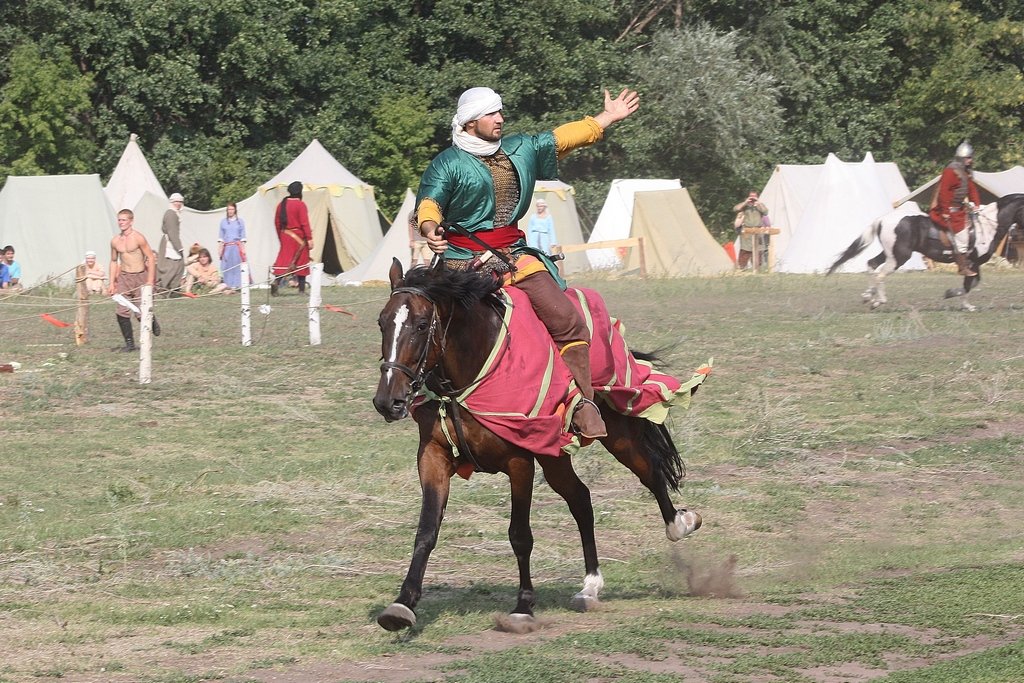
{"x": 52, "y": 221}
{"x": 132, "y": 178}
{"x": 676, "y": 241}
{"x": 315, "y": 167}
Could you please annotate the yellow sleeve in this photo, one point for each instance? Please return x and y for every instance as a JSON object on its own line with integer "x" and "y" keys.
{"x": 577, "y": 134}
{"x": 428, "y": 211}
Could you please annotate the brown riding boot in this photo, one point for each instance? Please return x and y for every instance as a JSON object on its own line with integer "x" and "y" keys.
{"x": 587, "y": 417}
{"x": 961, "y": 263}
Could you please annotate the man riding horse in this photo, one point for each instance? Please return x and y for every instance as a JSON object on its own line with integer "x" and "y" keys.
{"x": 956, "y": 197}
{"x": 480, "y": 188}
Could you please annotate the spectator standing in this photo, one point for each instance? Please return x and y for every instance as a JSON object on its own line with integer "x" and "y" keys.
{"x": 540, "y": 230}
{"x": 171, "y": 254}
{"x": 419, "y": 251}
{"x": 750, "y": 213}
{"x": 291, "y": 219}
{"x": 232, "y": 246}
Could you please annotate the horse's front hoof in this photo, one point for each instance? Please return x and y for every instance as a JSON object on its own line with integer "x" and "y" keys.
{"x": 953, "y": 292}
{"x": 517, "y": 622}
{"x": 685, "y": 523}
{"x": 876, "y": 304}
{"x": 970, "y": 308}
{"x": 396, "y": 617}
{"x": 581, "y": 602}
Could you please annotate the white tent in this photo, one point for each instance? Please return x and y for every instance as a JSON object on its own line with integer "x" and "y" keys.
{"x": 52, "y": 221}
{"x": 132, "y": 178}
{"x": 342, "y": 214}
{"x": 991, "y": 186}
{"x": 820, "y": 209}
{"x": 616, "y": 217}
{"x": 561, "y": 200}
{"x": 395, "y": 244}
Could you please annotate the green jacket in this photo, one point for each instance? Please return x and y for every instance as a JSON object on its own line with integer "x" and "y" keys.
{"x": 463, "y": 188}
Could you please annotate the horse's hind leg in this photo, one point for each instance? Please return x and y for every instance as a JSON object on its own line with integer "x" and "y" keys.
{"x": 565, "y": 482}
{"x": 647, "y": 450}
{"x": 520, "y": 536}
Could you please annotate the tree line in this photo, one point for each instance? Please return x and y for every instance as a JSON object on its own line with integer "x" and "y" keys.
{"x": 224, "y": 94}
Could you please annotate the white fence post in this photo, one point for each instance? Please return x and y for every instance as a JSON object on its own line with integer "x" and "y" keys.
{"x": 316, "y": 273}
{"x": 246, "y": 310}
{"x": 146, "y": 336}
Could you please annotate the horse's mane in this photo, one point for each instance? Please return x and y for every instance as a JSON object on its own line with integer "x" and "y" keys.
{"x": 462, "y": 287}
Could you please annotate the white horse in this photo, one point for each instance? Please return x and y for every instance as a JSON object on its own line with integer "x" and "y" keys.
{"x": 903, "y": 235}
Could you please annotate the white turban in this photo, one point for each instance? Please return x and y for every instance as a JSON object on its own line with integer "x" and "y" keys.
{"x": 473, "y": 104}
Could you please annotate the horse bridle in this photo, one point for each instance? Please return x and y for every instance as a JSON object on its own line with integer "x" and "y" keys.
{"x": 418, "y": 375}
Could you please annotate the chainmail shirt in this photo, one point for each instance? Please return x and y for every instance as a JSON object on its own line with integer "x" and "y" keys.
{"x": 506, "y": 187}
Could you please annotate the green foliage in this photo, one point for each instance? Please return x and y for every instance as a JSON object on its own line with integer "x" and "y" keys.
{"x": 715, "y": 125}
{"x": 43, "y": 106}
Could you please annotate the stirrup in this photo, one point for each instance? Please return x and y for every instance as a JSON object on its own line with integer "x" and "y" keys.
{"x": 579, "y": 430}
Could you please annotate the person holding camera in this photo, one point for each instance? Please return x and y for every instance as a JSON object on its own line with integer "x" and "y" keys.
{"x": 750, "y": 213}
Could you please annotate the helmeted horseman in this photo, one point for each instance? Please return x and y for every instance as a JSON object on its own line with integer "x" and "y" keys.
{"x": 957, "y": 196}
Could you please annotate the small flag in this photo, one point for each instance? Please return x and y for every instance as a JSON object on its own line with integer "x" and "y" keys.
{"x": 338, "y": 309}
{"x": 53, "y": 321}
{"x": 120, "y": 299}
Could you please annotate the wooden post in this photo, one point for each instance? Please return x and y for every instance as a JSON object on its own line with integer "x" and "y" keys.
{"x": 246, "y": 310}
{"x": 146, "y": 336}
{"x": 316, "y": 273}
{"x": 82, "y": 315}
{"x": 643, "y": 258}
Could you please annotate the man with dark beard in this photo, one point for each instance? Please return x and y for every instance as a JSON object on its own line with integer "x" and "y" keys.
{"x": 484, "y": 183}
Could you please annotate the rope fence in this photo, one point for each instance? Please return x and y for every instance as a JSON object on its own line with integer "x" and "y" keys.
{"x": 56, "y": 305}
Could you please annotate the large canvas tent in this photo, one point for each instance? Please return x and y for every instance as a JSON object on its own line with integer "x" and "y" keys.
{"x": 342, "y": 214}
{"x": 991, "y": 186}
{"x": 820, "y": 209}
{"x": 52, "y": 221}
{"x": 676, "y": 241}
{"x": 616, "y": 217}
{"x": 132, "y": 178}
{"x": 395, "y": 244}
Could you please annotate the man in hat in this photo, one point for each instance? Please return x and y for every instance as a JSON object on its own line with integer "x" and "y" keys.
{"x": 292, "y": 222}
{"x": 170, "y": 265}
{"x": 95, "y": 276}
{"x": 956, "y": 197}
{"x": 540, "y": 229}
{"x": 484, "y": 183}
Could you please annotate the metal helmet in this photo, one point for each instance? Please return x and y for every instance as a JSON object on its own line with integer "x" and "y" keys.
{"x": 964, "y": 150}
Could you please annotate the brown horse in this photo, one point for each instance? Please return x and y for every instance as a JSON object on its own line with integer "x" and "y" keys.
{"x": 438, "y": 329}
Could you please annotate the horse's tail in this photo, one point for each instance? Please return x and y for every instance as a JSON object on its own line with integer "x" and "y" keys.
{"x": 858, "y": 245}
{"x": 657, "y": 444}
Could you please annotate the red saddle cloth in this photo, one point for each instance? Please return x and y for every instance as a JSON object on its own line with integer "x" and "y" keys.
{"x": 525, "y": 394}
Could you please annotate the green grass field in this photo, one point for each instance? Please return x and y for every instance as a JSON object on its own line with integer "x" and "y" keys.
{"x": 246, "y": 515}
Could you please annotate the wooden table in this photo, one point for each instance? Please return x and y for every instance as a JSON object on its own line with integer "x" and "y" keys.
{"x": 771, "y": 244}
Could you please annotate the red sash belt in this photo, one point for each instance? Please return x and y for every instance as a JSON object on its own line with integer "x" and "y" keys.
{"x": 505, "y": 236}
